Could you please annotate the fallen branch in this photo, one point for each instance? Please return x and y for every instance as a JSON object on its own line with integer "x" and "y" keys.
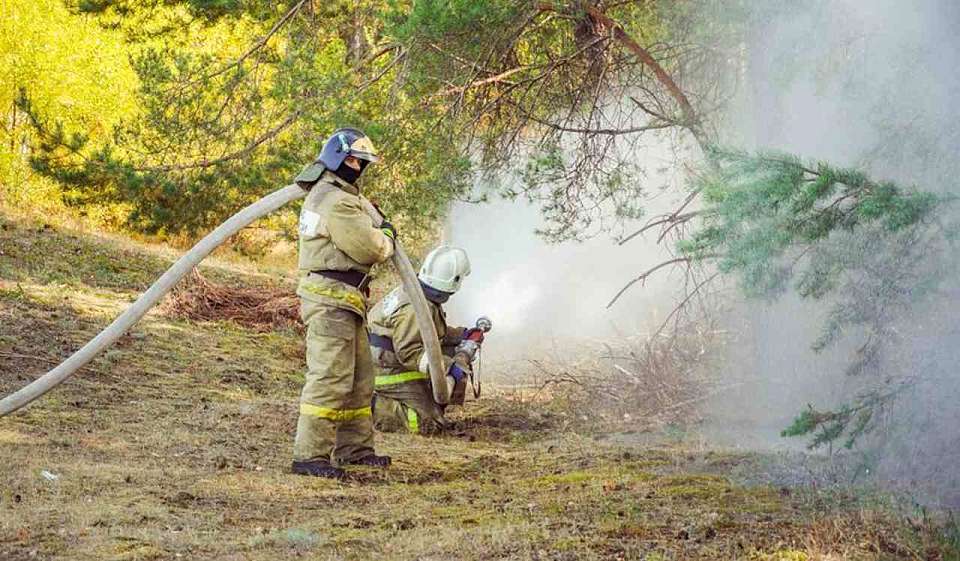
{"x": 260, "y": 308}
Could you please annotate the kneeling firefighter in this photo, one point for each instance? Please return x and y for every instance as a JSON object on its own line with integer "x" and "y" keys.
{"x": 403, "y": 397}
{"x": 338, "y": 244}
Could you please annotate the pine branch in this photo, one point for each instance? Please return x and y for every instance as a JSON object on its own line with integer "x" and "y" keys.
{"x": 239, "y": 154}
{"x": 260, "y": 43}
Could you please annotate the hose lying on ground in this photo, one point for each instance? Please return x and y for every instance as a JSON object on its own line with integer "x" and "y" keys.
{"x": 181, "y": 268}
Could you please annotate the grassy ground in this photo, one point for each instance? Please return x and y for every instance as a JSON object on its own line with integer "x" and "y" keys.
{"x": 175, "y": 445}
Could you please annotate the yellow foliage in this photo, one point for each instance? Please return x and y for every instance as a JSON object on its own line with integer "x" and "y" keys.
{"x": 67, "y": 63}
{"x": 72, "y": 70}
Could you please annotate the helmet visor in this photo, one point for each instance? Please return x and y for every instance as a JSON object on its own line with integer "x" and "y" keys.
{"x": 363, "y": 149}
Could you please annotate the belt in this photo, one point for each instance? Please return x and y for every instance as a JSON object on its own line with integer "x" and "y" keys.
{"x": 381, "y": 341}
{"x": 353, "y": 278}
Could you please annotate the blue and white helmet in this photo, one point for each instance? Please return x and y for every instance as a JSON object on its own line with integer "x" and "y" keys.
{"x": 344, "y": 142}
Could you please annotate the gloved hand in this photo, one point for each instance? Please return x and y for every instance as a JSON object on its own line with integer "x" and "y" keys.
{"x": 388, "y": 229}
{"x": 456, "y": 372}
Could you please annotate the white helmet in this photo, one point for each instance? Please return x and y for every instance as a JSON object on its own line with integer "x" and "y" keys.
{"x": 444, "y": 268}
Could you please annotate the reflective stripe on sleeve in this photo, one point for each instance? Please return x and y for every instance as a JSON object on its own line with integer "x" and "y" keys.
{"x": 334, "y": 414}
{"x": 389, "y": 379}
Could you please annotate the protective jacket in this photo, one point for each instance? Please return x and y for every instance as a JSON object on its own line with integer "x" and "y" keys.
{"x": 336, "y": 235}
{"x": 403, "y": 396}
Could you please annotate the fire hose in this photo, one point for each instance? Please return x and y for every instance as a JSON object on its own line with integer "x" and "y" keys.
{"x": 428, "y": 331}
{"x": 191, "y": 259}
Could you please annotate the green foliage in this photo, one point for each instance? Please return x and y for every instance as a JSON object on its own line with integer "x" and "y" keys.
{"x": 765, "y": 213}
{"x": 872, "y": 250}
{"x": 66, "y": 79}
{"x": 826, "y": 426}
{"x": 848, "y": 422}
{"x": 222, "y": 117}
{"x": 440, "y": 19}
{"x": 224, "y": 106}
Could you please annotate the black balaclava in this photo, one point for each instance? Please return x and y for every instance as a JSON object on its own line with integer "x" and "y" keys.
{"x": 349, "y": 174}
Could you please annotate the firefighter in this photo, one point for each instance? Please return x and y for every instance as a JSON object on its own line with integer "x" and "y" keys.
{"x": 339, "y": 243}
{"x": 403, "y": 396}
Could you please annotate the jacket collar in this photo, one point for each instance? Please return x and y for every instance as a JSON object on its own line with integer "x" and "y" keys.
{"x": 334, "y": 179}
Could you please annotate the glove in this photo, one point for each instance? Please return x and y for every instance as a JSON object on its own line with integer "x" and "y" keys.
{"x": 456, "y": 372}
{"x": 388, "y": 229}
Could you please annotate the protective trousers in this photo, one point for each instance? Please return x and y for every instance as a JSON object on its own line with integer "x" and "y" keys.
{"x": 335, "y": 416}
{"x": 407, "y": 406}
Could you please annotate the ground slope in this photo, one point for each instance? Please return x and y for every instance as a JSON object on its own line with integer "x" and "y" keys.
{"x": 175, "y": 444}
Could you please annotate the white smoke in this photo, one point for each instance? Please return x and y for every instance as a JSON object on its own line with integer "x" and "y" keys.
{"x": 542, "y": 296}
{"x": 871, "y": 85}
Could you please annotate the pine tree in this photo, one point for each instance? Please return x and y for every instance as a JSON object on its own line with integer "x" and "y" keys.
{"x": 872, "y": 250}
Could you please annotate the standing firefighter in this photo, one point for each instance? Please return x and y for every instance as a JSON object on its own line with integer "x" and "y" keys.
{"x": 338, "y": 244}
{"x": 403, "y": 397}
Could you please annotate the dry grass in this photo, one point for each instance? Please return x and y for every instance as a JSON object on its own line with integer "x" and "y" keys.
{"x": 260, "y": 308}
{"x": 175, "y": 445}
{"x": 643, "y": 383}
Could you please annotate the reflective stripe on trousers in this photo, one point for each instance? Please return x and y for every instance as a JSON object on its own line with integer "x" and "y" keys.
{"x": 389, "y": 379}
{"x": 413, "y": 420}
{"x": 334, "y": 414}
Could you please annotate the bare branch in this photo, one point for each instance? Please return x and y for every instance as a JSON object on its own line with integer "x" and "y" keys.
{"x": 673, "y": 219}
{"x": 646, "y": 274}
{"x": 501, "y": 77}
{"x": 389, "y": 47}
{"x": 676, "y": 310}
{"x": 692, "y": 120}
{"x": 373, "y": 80}
{"x": 586, "y": 130}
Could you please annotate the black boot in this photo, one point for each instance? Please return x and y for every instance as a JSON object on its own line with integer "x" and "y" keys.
{"x": 371, "y": 460}
{"x": 318, "y": 468}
